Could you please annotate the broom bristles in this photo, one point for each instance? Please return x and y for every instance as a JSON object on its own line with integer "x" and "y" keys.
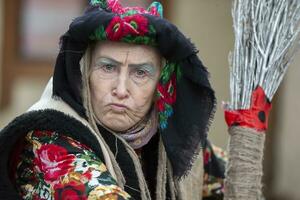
{"x": 266, "y": 39}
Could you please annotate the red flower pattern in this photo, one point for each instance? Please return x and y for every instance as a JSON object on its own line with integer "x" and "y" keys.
{"x": 75, "y": 143}
{"x": 167, "y": 92}
{"x": 39, "y": 133}
{"x": 160, "y": 105}
{"x": 54, "y": 161}
{"x": 66, "y": 177}
{"x": 116, "y": 29}
{"x": 206, "y": 156}
{"x": 116, "y": 7}
{"x": 136, "y": 24}
{"x": 70, "y": 191}
{"x": 153, "y": 11}
{"x": 129, "y": 25}
{"x": 87, "y": 175}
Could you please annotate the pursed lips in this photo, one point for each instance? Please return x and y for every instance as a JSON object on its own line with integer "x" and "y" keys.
{"x": 118, "y": 107}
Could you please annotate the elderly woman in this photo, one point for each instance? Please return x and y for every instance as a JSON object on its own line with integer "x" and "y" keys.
{"x": 124, "y": 117}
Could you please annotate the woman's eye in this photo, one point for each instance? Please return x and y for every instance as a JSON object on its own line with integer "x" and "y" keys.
{"x": 140, "y": 73}
{"x": 108, "y": 68}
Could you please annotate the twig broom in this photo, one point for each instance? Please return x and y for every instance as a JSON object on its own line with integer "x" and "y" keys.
{"x": 266, "y": 38}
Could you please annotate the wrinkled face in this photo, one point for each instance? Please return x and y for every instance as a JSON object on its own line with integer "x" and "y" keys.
{"x": 123, "y": 80}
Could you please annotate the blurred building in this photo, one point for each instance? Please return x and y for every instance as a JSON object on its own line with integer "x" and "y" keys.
{"x": 34, "y": 44}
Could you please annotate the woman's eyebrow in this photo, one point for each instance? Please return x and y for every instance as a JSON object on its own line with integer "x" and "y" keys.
{"x": 108, "y": 60}
{"x": 149, "y": 64}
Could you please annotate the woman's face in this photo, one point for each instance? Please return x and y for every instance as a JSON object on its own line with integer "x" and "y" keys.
{"x": 123, "y": 79}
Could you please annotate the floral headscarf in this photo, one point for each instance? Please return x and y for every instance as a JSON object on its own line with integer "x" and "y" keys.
{"x": 185, "y": 100}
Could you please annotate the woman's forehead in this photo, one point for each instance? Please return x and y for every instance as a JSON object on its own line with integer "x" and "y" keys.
{"x": 121, "y": 51}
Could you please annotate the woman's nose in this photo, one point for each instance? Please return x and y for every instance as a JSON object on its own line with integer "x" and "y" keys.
{"x": 121, "y": 87}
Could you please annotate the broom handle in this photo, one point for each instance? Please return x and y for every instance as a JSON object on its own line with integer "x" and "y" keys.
{"x": 244, "y": 169}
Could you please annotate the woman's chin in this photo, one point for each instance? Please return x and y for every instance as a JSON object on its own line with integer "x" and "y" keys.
{"x": 119, "y": 119}
{"x": 117, "y": 124}
{"x": 117, "y": 128}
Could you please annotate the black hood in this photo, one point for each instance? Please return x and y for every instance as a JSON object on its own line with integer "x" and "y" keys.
{"x": 186, "y": 126}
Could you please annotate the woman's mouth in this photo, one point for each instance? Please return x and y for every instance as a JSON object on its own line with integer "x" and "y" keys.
{"x": 118, "y": 107}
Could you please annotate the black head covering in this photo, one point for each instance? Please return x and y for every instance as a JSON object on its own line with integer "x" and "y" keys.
{"x": 186, "y": 100}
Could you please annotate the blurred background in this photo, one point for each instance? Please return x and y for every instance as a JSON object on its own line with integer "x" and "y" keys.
{"x": 29, "y": 35}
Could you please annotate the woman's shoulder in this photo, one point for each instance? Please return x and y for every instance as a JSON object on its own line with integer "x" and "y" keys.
{"x": 49, "y": 120}
{"x": 48, "y": 163}
{"x": 52, "y": 134}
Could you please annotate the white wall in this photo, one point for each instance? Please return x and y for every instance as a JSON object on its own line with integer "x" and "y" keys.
{"x": 208, "y": 23}
{"x": 288, "y": 144}
{"x": 24, "y": 91}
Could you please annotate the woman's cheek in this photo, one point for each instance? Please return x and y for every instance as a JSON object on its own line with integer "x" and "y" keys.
{"x": 143, "y": 97}
{"x": 101, "y": 89}
{"x": 99, "y": 96}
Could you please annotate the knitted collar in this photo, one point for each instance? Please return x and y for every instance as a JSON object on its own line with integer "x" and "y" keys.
{"x": 139, "y": 135}
{"x": 185, "y": 99}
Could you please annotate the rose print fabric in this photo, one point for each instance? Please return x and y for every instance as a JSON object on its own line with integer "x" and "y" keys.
{"x": 51, "y": 166}
{"x": 215, "y": 160}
